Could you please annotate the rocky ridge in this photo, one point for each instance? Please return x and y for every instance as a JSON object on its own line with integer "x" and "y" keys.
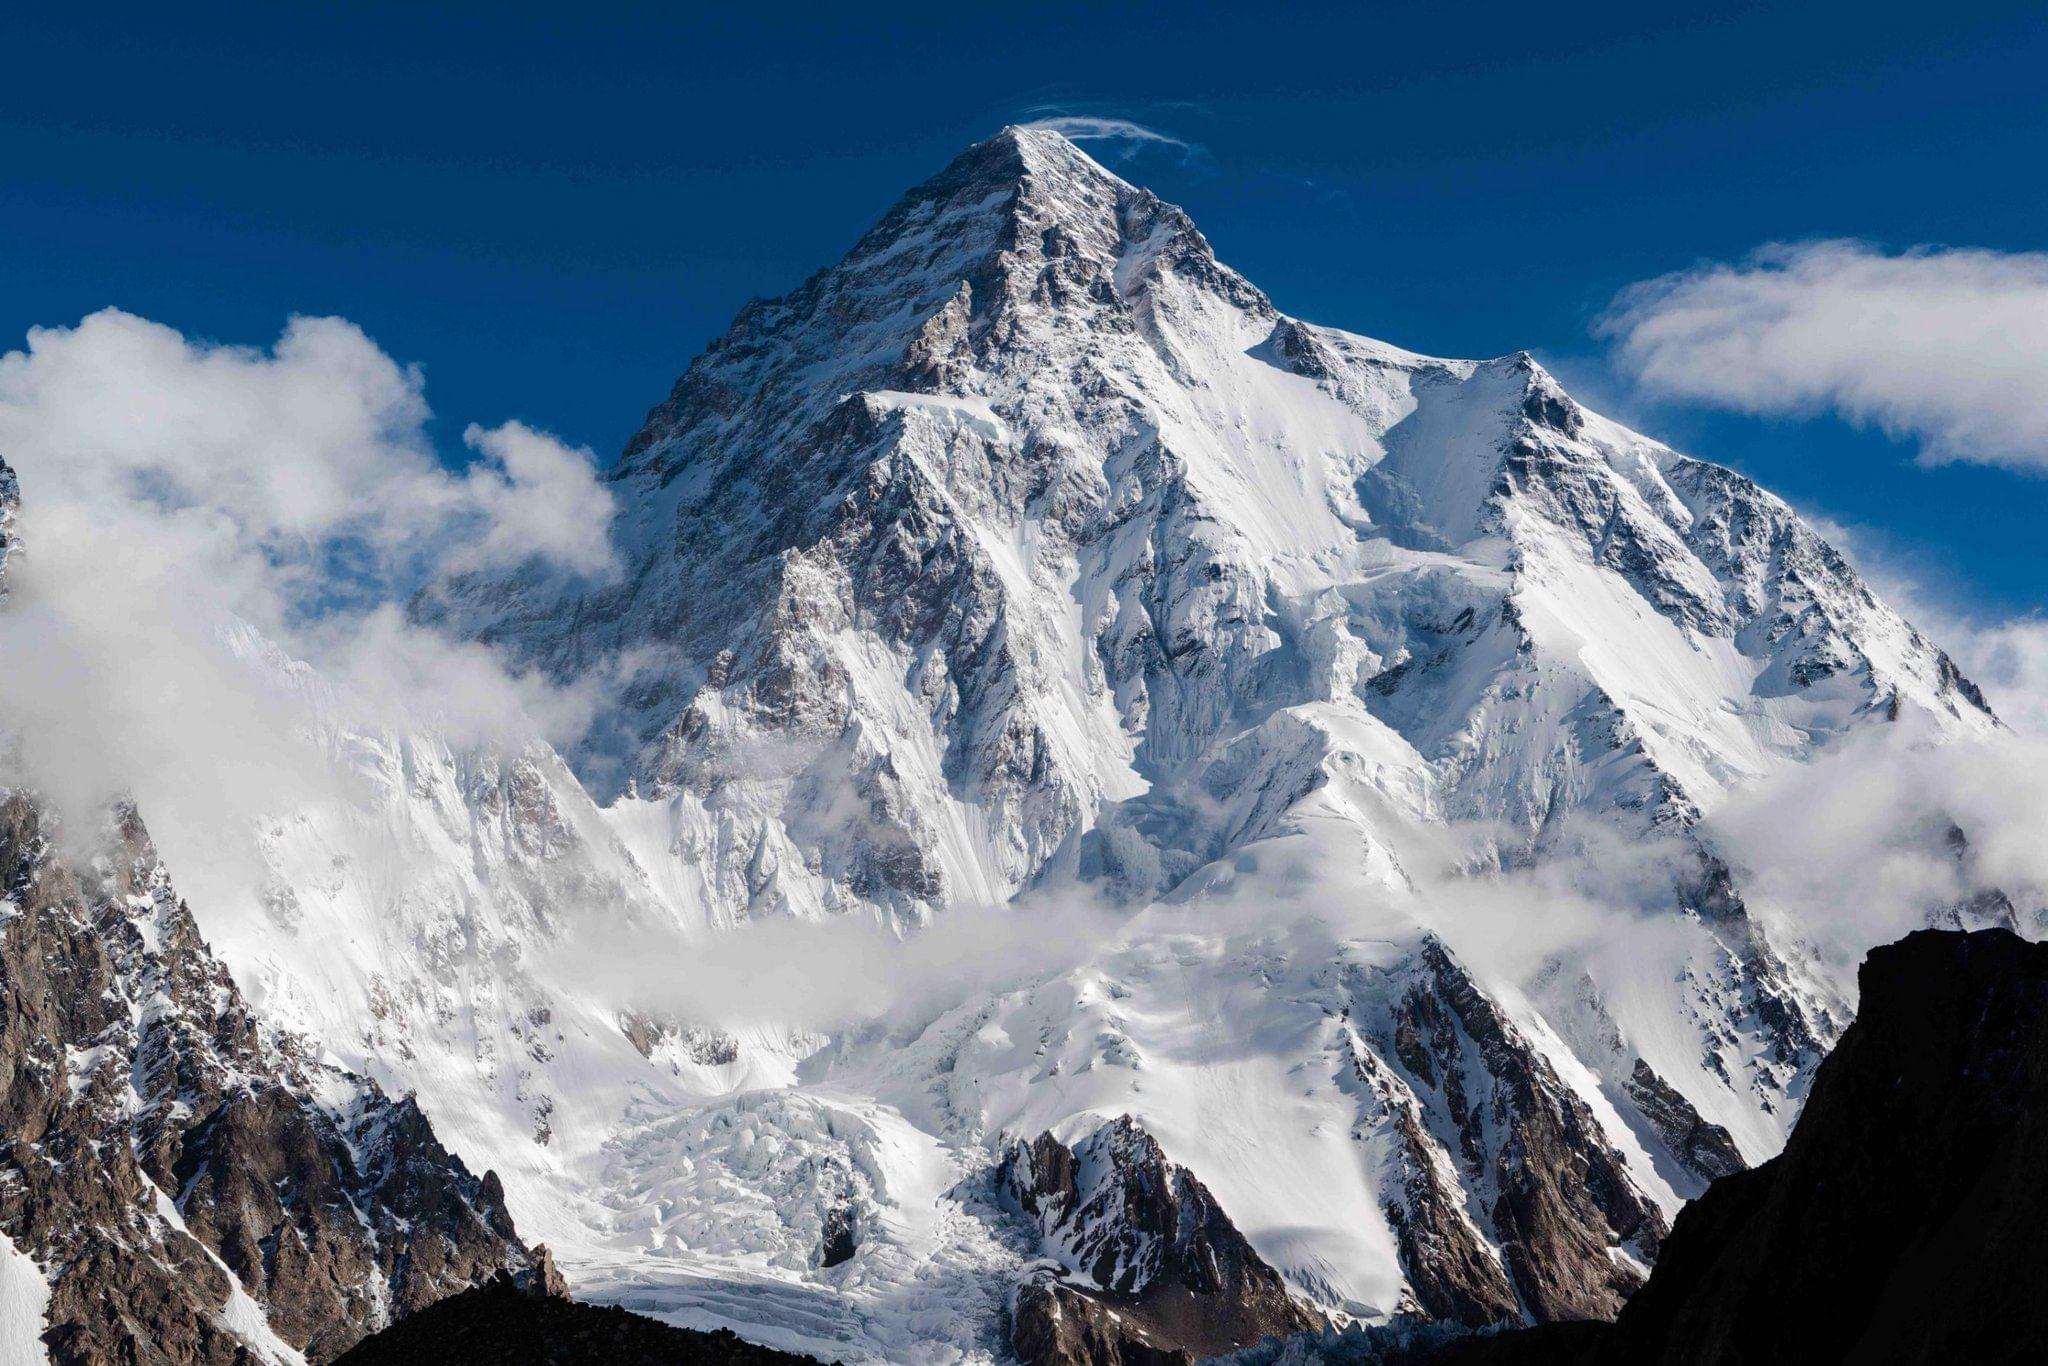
{"x": 1898, "y": 1225}
{"x": 195, "y": 1189}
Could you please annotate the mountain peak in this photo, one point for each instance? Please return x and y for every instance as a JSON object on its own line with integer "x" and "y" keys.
{"x": 1036, "y": 148}
{"x": 1022, "y": 224}
{"x": 1028, "y": 549}
{"x": 1021, "y": 168}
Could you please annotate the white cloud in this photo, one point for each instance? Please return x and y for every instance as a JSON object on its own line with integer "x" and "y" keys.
{"x": 2009, "y": 661}
{"x": 1853, "y": 847}
{"x": 1089, "y": 128}
{"x": 176, "y": 494}
{"x": 827, "y": 975}
{"x": 1946, "y": 347}
{"x": 537, "y": 499}
{"x": 314, "y": 454}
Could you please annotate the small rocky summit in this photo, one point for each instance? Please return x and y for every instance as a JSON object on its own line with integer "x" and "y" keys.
{"x": 1149, "y": 1268}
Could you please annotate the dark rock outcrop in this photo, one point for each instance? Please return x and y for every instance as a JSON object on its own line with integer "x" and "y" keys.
{"x": 1568, "y": 1220}
{"x": 1901, "y": 1225}
{"x": 500, "y": 1324}
{"x": 1455, "y": 1275}
{"x": 1156, "y": 1272}
{"x": 163, "y": 1157}
{"x": 1707, "y": 1150}
{"x": 841, "y": 1237}
{"x": 1903, "y": 1221}
{"x": 1415, "y": 1342}
{"x": 1054, "y": 1321}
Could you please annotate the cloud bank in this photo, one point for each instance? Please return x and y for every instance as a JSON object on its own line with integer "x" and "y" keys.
{"x": 1945, "y": 347}
{"x": 194, "y": 516}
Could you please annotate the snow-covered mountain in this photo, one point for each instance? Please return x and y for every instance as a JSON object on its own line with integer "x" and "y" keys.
{"x": 1026, "y": 559}
{"x": 181, "y": 1182}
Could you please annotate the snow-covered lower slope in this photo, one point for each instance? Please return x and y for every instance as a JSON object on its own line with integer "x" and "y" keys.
{"x": 1030, "y": 558}
{"x": 24, "y": 1299}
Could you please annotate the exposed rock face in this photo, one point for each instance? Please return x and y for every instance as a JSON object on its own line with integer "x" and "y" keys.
{"x": 1454, "y": 1272}
{"x": 1160, "y": 1274}
{"x": 1572, "y": 1226}
{"x": 1706, "y": 1149}
{"x": 1054, "y": 1323}
{"x": 500, "y": 1324}
{"x": 197, "y": 1190}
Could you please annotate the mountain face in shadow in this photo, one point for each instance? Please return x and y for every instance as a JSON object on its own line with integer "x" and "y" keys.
{"x": 1902, "y": 1224}
{"x": 1904, "y": 1220}
{"x": 503, "y": 1322}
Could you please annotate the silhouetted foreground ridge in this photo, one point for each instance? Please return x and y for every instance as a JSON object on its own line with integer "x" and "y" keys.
{"x": 501, "y": 1323}
{"x": 1905, "y": 1222}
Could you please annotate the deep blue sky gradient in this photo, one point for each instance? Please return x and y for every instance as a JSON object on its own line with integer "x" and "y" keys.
{"x": 552, "y": 211}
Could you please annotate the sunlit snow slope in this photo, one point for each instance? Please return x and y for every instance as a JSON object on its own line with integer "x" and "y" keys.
{"x": 1029, "y": 557}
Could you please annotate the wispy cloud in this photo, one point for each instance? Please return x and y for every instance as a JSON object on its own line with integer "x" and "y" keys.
{"x": 1098, "y": 128}
{"x": 1947, "y": 347}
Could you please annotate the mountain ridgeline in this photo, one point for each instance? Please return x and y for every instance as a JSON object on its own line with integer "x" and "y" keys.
{"x": 1055, "y": 560}
{"x": 1030, "y": 559}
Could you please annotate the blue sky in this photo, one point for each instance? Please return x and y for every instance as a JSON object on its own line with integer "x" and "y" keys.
{"x": 552, "y": 212}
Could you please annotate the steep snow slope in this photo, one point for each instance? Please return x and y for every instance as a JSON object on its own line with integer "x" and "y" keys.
{"x": 24, "y": 1299}
{"x": 1133, "y": 511}
{"x": 1030, "y": 555}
